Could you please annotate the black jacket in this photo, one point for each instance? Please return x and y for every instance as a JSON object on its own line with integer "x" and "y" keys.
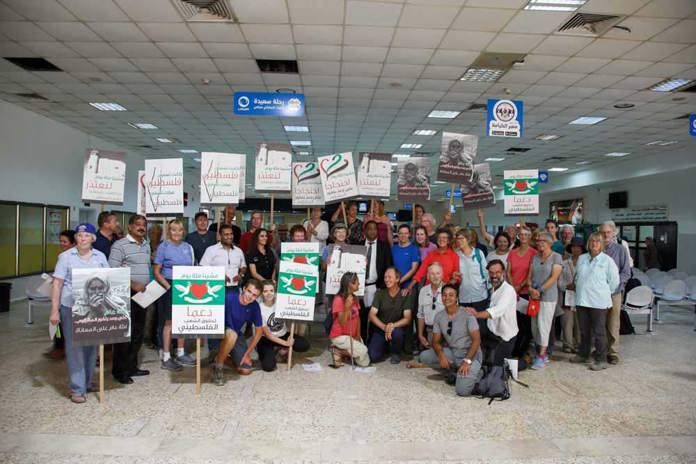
{"x": 384, "y": 260}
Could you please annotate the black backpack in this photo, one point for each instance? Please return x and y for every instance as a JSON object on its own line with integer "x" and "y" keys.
{"x": 495, "y": 383}
{"x": 625, "y": 328}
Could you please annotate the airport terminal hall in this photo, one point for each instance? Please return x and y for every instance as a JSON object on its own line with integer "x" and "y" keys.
{"x": 361, "y": 231}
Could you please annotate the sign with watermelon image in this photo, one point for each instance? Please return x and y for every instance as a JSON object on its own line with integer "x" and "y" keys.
{"x": 342, "y": 259}
{"x": 198, "y": 301}
{"x": 337, "y": 173}
{"x": 521, "y": 189}
{"x": 297, "y": 287}
{"x": 301, "y": 253}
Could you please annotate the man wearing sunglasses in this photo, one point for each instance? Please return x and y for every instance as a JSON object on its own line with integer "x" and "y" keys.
{"x": 461, "y": 359}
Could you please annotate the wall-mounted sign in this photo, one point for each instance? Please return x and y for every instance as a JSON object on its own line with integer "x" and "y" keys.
{"x": 543, "y": 177}
{"x": 268, "y": 104}
{"x": 505, "y": 118}
{"x": 692, "y": 125}
{"x": 640, "y": 214}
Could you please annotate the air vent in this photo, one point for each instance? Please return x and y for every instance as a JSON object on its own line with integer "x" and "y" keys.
{"x": 691, "y": 89}
{"x": 477, "y": 107}
{"x": 205, "y": 10}
{"x": 589, "y": 24}
{"x": 34, "y": 64}
{"x": 32, "y": 96}
{"x": 278, "y": 66}
{"x": 518, "y": 150}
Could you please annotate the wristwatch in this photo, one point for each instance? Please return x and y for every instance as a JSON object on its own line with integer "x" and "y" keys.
{"x": 468, "y": 361}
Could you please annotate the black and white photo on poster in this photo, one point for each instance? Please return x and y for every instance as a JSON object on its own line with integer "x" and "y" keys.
{"x": 457, "y": 157}
{"x": 101, "y": 312}
{"x": 413, "y": 182}
{"x": 478, "y": 193}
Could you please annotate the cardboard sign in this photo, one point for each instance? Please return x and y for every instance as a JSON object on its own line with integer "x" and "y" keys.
{"x": 337, "y": 174}
{"x": 457, "y": 153}
{"x": 413, "y": 183}
{"x": 342, "y": 259}
{"x": 104, "y": 176}
{"x": 521, "y": 189}
{"x": 478, "y": 193}
{"x": 306, "y": 185}
{"x": 142, "y": 194}
{"x": 101, "y": 313}
{"x": 297, "y": 287}
{"x": 300, "y": 252}
{"x": 198, "y": 301}
{"x": 273, "y": 167}
{"x": 242, "y": 177}
{"x": 220, "y": 178}
{"x": 504, "y": 118}
{"x": 374, "y": 175}
{"x": 164, "y": 186}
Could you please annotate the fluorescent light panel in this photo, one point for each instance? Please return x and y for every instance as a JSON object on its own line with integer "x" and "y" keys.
{"x": 495, "y": 159}
{"x": 300, "y": 143}
{"x": 400, "y": 155}
{"x": 411, "y": 145}
{"x": 547, "y": 137}
{"x": 670, "y": 85}
{"x": 108, "y": 106}
{"x": 662, "y": 143}
{"x": 616, "y": 154}
{"x": 424, "y": 132}
{"x": 163, "y": 140}
{"x": 587, "y": 120}
{"x": 482, "y": 75}
{"x": 444, "y": 114}
{"x": 188, "y": 150}
{"x": 582, "y": 163}
{"x": 554, "y": 5}
{"x": 296, "y": 129}
{"x": 142, "y": 125}
{"x": 558, "y": 169}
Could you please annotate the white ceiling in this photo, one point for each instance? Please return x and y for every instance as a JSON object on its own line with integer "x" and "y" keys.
{"x": 371, "y": 72}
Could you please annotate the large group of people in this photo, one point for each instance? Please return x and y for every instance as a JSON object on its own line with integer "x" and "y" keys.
{"x": 434, "y": 294}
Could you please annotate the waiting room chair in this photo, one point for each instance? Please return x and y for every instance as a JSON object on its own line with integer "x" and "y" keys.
{"x": 658, "y": 285}
{"x": 37, "y": 290}
{"x": 644, "y": 279}
{"x": 652, "y": 272}
{"x": 680, "y": 275}
{"x": 639, "y": 301}
{"x": 674, "y": 290}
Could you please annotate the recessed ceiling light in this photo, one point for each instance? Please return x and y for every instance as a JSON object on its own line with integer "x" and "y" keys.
{"x": 587, "y": 120}
{"x": 670, "y": 85}
{"x": 482, "y": 75}
{"x": 662, "y": 143}
{"x": 440, "y": 182}
{"x": 108, "y": 106}
{"x": 443, "y": 114}
{"x": 400, "y": 155}
{"x": 411, "y": 145}
{"x": 554, "y": 5}
{"x": 304, "y": 153}
{"x": 547, "y": 137}
{"x": 296, "y": 129}
{"x": 624, "y": 106}
{"x": 495, "y": 159}
{"x": 187, "y": 151}
{"x": 142, "y": 125}
{"x": 424, "y": 132}
{"x": 582, "y": 163}
{"x": 558, "y": 169}
{"x": 163, "y": 140}
{"x": 616, "y": 154}
{"x": 197, "y": 160}
{"x": 300, "y": 143}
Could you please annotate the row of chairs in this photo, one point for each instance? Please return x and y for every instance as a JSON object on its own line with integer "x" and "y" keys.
{"x": 669, "y": 286}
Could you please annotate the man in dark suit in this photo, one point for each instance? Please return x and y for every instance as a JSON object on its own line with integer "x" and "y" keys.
{"x": 379, "y": 259}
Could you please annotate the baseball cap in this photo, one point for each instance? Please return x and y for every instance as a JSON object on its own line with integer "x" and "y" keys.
{"x": 86, "y": 227}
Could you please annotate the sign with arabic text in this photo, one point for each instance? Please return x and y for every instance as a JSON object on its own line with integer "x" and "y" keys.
{"x": 219, "y": 178}
{"x": 164, "y": 186}
{"x": 104, "y": 176}
{"x": 297, "y": 288}
{"x": 342, "y": 259}
{"x": 505, "y": 118}
{"x": 457, "y": 153}
{"x": 198, "y": 301}
{"x": 301, "y": 252}
{"x": 269, "y": 104}
{"x": 273, "y": 167}
{"x": 374, "y": 175}
{"x": 306, "y": 185}
{"x": 478, "y": 193}
{"x": 521, "y": 191}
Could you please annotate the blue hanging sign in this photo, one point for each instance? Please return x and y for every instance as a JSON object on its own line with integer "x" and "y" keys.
{"x": 269, "y": 104}
{"x": 505, "y": 118}
{"x": 692, "y": 125}
{"x": 457, "y": 193}
{"x": 543, "y": 177}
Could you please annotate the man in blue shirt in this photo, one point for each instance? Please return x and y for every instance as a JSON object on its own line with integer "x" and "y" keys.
{"x": 240, "y": 308}
{"x": 106, "y": 235}
{"x": 405, "y": 255}
{"x": 201, "y": 238}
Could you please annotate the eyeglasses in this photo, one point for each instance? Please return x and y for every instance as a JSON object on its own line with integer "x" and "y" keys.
{"x": 449, "y": 328}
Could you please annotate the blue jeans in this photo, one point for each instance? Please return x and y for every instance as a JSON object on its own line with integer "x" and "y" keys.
{"x": 378, "y": 344}
{"x": 80, "y": 359}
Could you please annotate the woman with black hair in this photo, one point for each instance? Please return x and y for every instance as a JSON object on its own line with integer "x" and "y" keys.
{"x": 261, "y": 260}
{"x": 345, "y": 331}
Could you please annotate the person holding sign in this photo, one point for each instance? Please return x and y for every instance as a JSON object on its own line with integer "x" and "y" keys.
{"x": 276, "y": 336}
{"x": 389, "y": 315}
{"x": 317, "y": 228}
{"x": 240, "y": 308}
{"x": 172, "y": 252}
{"x": 81, "y": 360}
{"x": 346, "y": 324}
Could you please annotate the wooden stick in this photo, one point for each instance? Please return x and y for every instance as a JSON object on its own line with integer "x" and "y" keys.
{"x": 198, "y": 366}
{"x": 309, "y": 216}
{"x": 220, "y": 212}
{"x": 101, "y": 373}
{"x": 272, "y": 206}
{"x": 292, "y": 334}
{"x": 451, "y": 199}
{"x": 345, "y": 218}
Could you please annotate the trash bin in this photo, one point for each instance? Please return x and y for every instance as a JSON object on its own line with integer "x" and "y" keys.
{"x": 5, "y": 289}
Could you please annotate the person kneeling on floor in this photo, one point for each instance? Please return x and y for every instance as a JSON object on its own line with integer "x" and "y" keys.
{"x": 240, "y": 308}
{"x": 461, "y": 359}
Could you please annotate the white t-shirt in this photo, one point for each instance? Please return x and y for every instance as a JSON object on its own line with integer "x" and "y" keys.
{"x": 494, "y": 255}
{"x": 276, "y": 326}
{"x": 232, "y": 260}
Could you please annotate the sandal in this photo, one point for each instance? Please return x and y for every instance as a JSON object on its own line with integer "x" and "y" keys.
{"x": 77, "y": 398}
{"x": 337, "y": 358}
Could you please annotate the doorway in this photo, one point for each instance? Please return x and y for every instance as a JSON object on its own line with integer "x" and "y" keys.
{"x": 664, "y": 234}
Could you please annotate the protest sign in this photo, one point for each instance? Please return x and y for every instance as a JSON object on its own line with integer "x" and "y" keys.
{"x": 457, "y": 153}
{"x": 103, "y": 176}
{"x": 273, "y": 167}
{"x": 101, "y": 312}
{"x": 220, "y": 178}
{"x": 342, "y": 259}
{"x": 478, "y": 193}
{"x": 306, "y": 185}
{"x": 300, "y": 252}
{"x": 413, "y": 183}
{"x": 164, "y": 186}
{"x": 142, "y": 197}
{"x": 337, "y": 174}
{"x": 521, "y": 189}
{"x": 374, "y": 175}
{"x": 297, "y": 287}
{"x": 198, "y": 301}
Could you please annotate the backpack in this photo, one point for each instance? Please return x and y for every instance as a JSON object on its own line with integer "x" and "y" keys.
{"x": 495, "y": 383}
{"x": 625, "y": 328}
{"x": 478, "y": 257}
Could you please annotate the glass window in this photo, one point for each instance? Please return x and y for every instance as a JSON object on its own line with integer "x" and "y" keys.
{"x": 31, "y": 222}
{"x": 56, "y": 222}
{"x": 8, "y": 245}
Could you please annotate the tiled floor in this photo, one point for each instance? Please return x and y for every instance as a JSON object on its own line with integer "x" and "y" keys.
{"x": 641, "y": 411}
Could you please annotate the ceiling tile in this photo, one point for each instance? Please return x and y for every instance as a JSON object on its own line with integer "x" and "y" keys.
{"x": 113, "y": 64}
{"x": 519, "y": 76}
{"x": 138, "y": 49}
{"x": 641, "y": 28}
{"x": 409, "y": 55}
{"x": 152, "y": 10}
{"x": 167, "y": 32}
{"x": 542, "y": 62}
{"x": 624, "y": 67}
{"x": 153, "y": 64}
{"x": 514, "y": 43}
{"x": 194, "y": 64}
{"x": 316, "y": 11}
{"x": 582, "y": 65}
{"x": 118, "y": 32}
{"x": 243, "y": 78}
{"x": 182, "y": 49}
{"x": 74, "y": 65}
{"x": 322, "y": 35}
{"x": 226, "y": 50}
{"x": 272, "y": 51}
{"x": 535, "y": 22}
{"x": 467, "y": 40}
{"x": 513, "y": 4}
{"x": 560, "y": 78}
{"x": 236, "y": 65}
{"x": 417, "y": 38}
{"x": 560, "y": 45}
{"x": 319, "y": 67}
{"x": 214, "y": 32}
{"x": 668, "y": 9}
{"x": 663, "y": 70}
{"x": 51, "y": 49}
{"x": 482, "y": 19}
{"x": 319, "y": 52}
{"x": 607, "y": 48}
{"x": 363, "y": 13}
{"x": 364, "y": 54}
{"x": 260, "y": 11}
{"x": 636, "y": 83}
{"x": 599, "y": 81}
{"x": 682, "y": 32}
{"x": 70, "y": 31}
{"x": 361, "y": 69}
{"x": 87, "y": 10}
{"x": 94, "y": 49}
{"x": 325, "y": 81}
{"x": 620, "y": 7}
{"x": 688, "y": 55}
{"x": 267, "y": 33}
{"x": 40, "y": 10}
{"x": 23, "y": 31}
{"x": 454, "y": 58}
{"x": 427, "y": 16}
{"x": 653, "y": 51}
{"x": 442, "y": 72}
{"x": 402, "y": 70}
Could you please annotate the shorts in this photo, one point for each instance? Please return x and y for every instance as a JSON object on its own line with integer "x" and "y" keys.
{"x": 238, "y": 351}
{"x": 164, "y": 305}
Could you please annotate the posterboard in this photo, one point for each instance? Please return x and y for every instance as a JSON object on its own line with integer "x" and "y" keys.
{"x": 478, "y": 193}
{"x": 306, "y": 185}
{"x": 273, "y": 167}
{"x": 164, "y": 184}
{"x": 521, "y": 189}
{"x": 198, "y": 301}
{"x": 504, "y": 118}
{"x": 337, "y": 174}
{"x": 142, "y": 194}
{"x": 104, "y": 176}
{"x": 242, "y": 177}
{"x": 457, "y": 153}
{"x": 300, "y": 252}
{"x": 413, "y": 183}
{"x": 297, "y": 287}
{"x": 220, "y": 178}
{"x": 374, "y": 175}
{"x": 101, "y": 313}
{"x": 342, "y": 259}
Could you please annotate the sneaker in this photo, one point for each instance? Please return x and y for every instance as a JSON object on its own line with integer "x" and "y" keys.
{"x": 613, "y": 359}
{"x": 218, "y": 376}
{"x": 577, "y": 359}
{"x": 395, "y": 359}
{"x": 170, "y": 365}
{"x": 598, "y": 366}
{"x": 538, "y": 363}
{"x": 186, "y": 360}
{"x": 547, "y": 358}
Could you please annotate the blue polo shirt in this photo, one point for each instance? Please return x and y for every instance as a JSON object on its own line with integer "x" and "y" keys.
{"x": 69, "y": 260}
{"x": 169, "y": 255}
{"x": 404, "y": 257}
{"x": 236, "y": 314}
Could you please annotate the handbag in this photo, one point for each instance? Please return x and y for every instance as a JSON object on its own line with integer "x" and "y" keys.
{"x": 533, "y": 307}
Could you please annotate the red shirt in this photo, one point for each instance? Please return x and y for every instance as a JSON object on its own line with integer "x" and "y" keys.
{"x": 448, "y": 260}
{"x": 519, "y": 267}
{"x": 245, "y": 241}
{"x": 336, "y": 328}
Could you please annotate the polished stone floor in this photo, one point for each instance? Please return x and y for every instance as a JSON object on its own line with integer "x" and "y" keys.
{"x": 641, "y": 411}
